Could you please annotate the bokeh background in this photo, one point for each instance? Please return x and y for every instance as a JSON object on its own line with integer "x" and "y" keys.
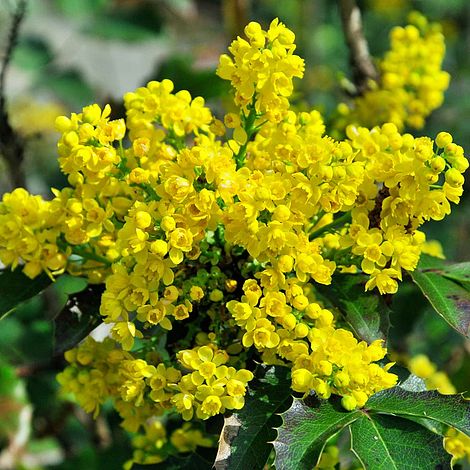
{"x": 71, "y": 53}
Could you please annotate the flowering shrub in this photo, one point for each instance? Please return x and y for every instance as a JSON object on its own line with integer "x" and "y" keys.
{"x": 230, "y": 250}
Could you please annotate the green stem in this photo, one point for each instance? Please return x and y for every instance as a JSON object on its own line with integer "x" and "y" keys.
{"x": 251, "y": 130}
{"x": 79, "y": 251}
{"x": 345, "y": 218}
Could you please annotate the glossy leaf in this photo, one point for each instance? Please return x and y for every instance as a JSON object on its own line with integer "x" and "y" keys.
{"x": 16, "y": 287}
{"x": 365, "y": 312}
{"x": 450, "y": 299}
{"x": 384, "y": 442}
{"x": 452, "y": 410}
{"x": 245, "y": 441}
{"x": 305, "y": 430}
{"x": 79, "y": 316}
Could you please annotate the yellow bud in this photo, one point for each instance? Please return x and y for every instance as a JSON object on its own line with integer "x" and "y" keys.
{"x": 216, "y": 295}
{"x": 231, "y": 285}
{"x": 159, "y": 247}
{"x": 63, "y": 124}
{"x": 454, "y": 178}
{"x": 143, "y": 219}
{"x": 71, "y": 139}
{"x": 301, "y": 380}
{"x": 349, "y": 403}
{"x": 341, "y": 379}
{"x": 301, "y": 330}
{"x": 281, "y": 213}
{"x": 438, "y": 164}
{"x": 168, "y": 223}
{"x": 196, "y": 293}
{"x": 300, "y": 302}
{"x": 443, "y": 139}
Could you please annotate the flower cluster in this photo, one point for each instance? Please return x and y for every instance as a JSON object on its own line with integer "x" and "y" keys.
{"x": 212, "y": 239}
{"x": 407, "y": 182}
{"x": 411, "y": 84}
{"x": 290, "y": 327}
{"x": 262, "y": 69}
{"x": 29, "y": 232}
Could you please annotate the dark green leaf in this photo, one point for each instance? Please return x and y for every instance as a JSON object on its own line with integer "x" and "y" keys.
{"x": 459, "y": 272}
{"x": 365, "y": 312}
{"x": 16, "y": 287}
{"x": 246, "y": 436}
{"x": 387, "y": 442}
{"x": 79, "y": 316}
{"x": 194, "y": 461}
{"x": 451, "y": 410}
{"x": 448, "y": 298}
{"x": 306, "y": 429}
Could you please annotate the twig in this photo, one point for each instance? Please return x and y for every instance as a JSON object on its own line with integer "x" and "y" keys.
{"x": 361, "y": 62}
{"x": 11, "y": 144}
{"x": 236, "y": 16}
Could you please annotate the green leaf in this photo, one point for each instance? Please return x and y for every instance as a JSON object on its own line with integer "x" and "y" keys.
{"x": 365, "y": 312}
{"x": 449, "y": 299}
{"x": 452, "y": 410}
{"x": 459, "y": 272}
{"x": 246, "y": 437}
{"x": 306, "y": 429}
{"x": 390, "y": 443}
{"x": 194, "y": 461}
{"x": 16, "y": 287}
{"x": 79, "y": 316}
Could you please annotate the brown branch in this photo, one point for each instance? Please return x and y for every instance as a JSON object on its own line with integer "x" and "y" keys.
{"x": 11, "y": 144}
{"x": 236, "y": 16}
{"x": 361, "y": 62}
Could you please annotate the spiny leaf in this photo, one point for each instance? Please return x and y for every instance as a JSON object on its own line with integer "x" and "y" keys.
{"x": 245, "y": 441}
{"x": 384, "y": 442}
{"x": 306, "y": 429}
{"x": 366, "y": 313}
{"x": 79, "y": 316}
{"x": 16, "y": 287}
{"x": 452, "y": 410}
{"x": 449, "y": 299}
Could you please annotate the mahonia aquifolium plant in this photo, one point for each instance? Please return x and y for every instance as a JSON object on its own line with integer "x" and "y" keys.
{"x": 223, "y": 230}
{"x": 411, "y": 84}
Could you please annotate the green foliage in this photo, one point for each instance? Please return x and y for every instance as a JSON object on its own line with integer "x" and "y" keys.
{"x": 15, "y": 288}
{"x": 387, "y": 433}
{"x": 445, "y": 288}
{"x": 388, "y": 442}
{"x": 305, "y": 430}
{"x": 247, "y": 434}
{"x": 79, "y": 316}
{"x": 365, "y": 313}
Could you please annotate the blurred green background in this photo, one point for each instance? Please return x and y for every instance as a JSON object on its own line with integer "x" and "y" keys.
{"x": 71, "y": 53}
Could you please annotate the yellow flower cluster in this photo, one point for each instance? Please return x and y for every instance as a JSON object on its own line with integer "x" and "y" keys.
{"x": 290, "y": 325}
{"x": 212, "y": 387}
{"x": 407, "y": 182}
{"x": 143, "y": 392}
{"x": 456, "y": 442}
{"x": 28, "y": 233}
{"x": 154, "y": 447}
{"x": 262, "y": 69}
{"x": 99, "y": 371}
{"x": 411, "y": 84}
{"x": 211, "y": 238}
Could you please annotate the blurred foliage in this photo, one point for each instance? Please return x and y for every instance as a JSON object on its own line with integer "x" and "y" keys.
{"x": 125, "y": 44}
